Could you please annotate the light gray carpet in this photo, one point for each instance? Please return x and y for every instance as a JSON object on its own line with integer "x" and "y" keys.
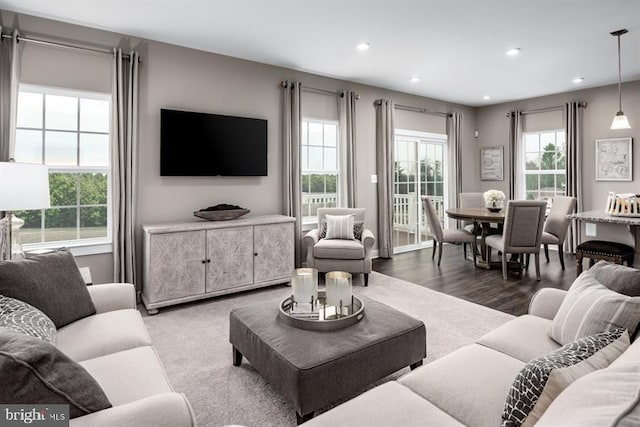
{"x": 193, "y": 343}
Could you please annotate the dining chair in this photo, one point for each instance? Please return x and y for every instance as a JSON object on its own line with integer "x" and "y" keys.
{"x": 556, "y": 225}
{"x": 440, "y": 236}
{"x": 471, "y": 200}
{"x": 522, "y": 233}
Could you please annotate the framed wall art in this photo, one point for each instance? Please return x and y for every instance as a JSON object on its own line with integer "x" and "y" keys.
{"x": 614, "y": 159}
{"x": 492, "y": 164}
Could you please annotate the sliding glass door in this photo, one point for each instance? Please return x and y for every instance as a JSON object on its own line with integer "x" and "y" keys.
{"x": 419, "y": 170}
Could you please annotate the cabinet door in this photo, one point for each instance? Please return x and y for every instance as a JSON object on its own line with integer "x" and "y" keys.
{"x": 273, "y": 247}
{"x": 230, "y": 258}
{"x": 176, "y": 265}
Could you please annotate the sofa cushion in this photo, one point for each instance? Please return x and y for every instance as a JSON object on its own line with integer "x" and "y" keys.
{"x": 607, "y": 397}
{"x": 619, "y": 278}
{"x": 34, "y": 371}
{"x": 470, "y": 384}
{"x": 508, "y": 338}
{"x": 389, "y": 404}
{"x": 338, "y": 249}
{"x": 590, "y": 308}
{"x": 543, "y": 379}
{"x": 103, "y": 334}
{"x": 25, "y": 318}
{"x": 130, "y": 375}
{"x": 632, "y": 355}
{"x": 340, "y": 227}
{"x": 50, "y": 282}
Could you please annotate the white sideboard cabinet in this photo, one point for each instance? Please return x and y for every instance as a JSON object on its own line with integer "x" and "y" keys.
{"x": 188, "y": 261}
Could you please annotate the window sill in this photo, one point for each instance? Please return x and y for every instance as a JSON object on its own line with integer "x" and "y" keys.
{"x": 77, "y": 249}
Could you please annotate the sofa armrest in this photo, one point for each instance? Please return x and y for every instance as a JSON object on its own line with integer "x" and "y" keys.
{"x": 546, "y": 302}
{"x": 113, "y": 296}
{"x": 308, "y": 241}
{"x": 168, "y": 409}
{"x": 368, "y": 240}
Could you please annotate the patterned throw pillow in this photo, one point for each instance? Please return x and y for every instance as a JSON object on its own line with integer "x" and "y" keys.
{"x": 591, "y": 308}
{"x": 358, "y": 228}
{"x": 543, "y": 379}
{"x": 22, "y": 317}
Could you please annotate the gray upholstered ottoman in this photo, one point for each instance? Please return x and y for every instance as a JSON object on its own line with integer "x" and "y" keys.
{"x": 313, "y": 369}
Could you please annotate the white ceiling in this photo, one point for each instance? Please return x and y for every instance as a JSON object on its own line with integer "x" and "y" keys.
{"x": 456, "y": 47}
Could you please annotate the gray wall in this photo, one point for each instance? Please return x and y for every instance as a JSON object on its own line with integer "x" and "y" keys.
{"x": 602, "y": 105}
{"x": 177, "y": 77}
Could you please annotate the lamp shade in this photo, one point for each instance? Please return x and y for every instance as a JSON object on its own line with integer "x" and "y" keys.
{"x": 23, "y": 186}
{"x": 620, "y": 121}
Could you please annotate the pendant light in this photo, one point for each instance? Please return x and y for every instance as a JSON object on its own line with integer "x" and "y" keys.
{"x": 620, "y": 121}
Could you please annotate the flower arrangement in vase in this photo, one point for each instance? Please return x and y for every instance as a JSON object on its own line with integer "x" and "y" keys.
{"x": 494, "y": 200}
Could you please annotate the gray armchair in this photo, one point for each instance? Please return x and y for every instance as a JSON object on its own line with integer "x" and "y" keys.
{"x": 353, "y": 256}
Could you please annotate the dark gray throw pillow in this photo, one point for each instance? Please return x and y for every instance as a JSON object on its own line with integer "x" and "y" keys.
{"x": 619, "y": 278}
{"x": 50, "y": 282}
{"x": 36, "y": 372}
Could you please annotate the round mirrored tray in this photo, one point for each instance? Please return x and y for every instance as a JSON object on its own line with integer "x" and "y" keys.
{"x": 321, "y": 317}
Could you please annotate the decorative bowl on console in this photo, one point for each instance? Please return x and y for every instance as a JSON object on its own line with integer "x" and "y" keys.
{"x": 221, "y": 212}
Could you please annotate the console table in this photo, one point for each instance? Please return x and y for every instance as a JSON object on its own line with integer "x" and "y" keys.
{"x": 632, "y": 224}
{"x": 193, "y": 260}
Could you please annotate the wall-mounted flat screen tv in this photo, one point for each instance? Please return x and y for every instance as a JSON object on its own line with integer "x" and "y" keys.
{"x": 200, "y": 144}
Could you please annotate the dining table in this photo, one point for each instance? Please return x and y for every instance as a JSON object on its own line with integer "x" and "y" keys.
{"x": 485, "y": 218}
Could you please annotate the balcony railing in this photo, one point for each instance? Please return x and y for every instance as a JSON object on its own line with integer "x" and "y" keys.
{"x": 405, "y": 208}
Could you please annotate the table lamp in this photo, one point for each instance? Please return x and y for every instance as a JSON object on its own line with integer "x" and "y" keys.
{"x": 22, "y": 187}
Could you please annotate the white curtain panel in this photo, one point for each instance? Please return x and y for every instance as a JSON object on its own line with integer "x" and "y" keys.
{"x": 124, "y": 137}
{"x": 347, "y": 119}
{"x": 291, "y": 136}
{"x": 573, "y": 137}
{"x": 384, "y": 168}
{"x": 9, "y": 80}
{"x": 516, "y": 174}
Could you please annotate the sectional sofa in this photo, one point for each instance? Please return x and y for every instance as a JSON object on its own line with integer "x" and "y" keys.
{"x": 469, "y": 387}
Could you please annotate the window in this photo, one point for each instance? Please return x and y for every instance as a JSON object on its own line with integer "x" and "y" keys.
{"x": 320, "y": 167}
{"x": 69, "y": 132}
{"x": 544, "y": 165}
{"x": 419, "y": 170}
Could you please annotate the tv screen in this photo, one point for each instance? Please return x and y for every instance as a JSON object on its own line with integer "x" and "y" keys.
{"x": 200, "y": 144}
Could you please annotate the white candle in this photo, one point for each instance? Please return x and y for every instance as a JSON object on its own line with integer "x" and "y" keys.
{"x": 338, "y": 288}
{"x": 304, "y": 282}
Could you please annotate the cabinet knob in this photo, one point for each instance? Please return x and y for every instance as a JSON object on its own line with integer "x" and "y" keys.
{"x": 255, "y": 254}
{"x": 203, "y": 261}
{"x": 208, "y": 260}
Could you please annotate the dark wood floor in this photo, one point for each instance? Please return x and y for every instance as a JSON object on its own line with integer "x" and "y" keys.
{"x": 459, "y": 278}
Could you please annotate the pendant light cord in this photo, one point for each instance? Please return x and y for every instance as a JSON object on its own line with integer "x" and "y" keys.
{"x": 619, "y": 77}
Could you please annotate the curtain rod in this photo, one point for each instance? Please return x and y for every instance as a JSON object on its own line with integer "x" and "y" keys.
{"x": 65, "y": 45}
{"x": 320, "y": 91}
{"x": 420, "y": 110}
{"x": 548, "y": 109}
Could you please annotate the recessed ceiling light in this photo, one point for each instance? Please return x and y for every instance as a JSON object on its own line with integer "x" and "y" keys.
{"x": 514, "y": 51}
{"x": 414, "y": 79}
{"x": 578, "y": 80}
{"x": 486, "y": 97}
{"x": 363, "y": 46}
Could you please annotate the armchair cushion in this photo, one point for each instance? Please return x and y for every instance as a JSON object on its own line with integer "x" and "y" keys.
{"x": 358, "y": 228}
{"x": 338, "y": 249}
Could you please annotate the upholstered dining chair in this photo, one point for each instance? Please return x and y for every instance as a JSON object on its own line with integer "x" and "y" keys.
{"x": 556, "y": 225}
{"x": 342, "y": 254}
{"x": 471, "y": 200}
{"x": 522, "y": 232}
{"x": 440, "y": 236}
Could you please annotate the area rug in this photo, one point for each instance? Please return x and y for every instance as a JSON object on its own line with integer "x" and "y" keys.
{"x": 192, "y": 341}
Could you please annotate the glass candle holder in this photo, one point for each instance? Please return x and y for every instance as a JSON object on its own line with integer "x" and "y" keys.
{"x": 304, "y": 282}
{"x": 338, "y": 289}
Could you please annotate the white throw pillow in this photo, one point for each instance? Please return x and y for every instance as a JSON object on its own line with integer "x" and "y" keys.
{"x": 591, "y": 308}
{"x": 340, "y": 227}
